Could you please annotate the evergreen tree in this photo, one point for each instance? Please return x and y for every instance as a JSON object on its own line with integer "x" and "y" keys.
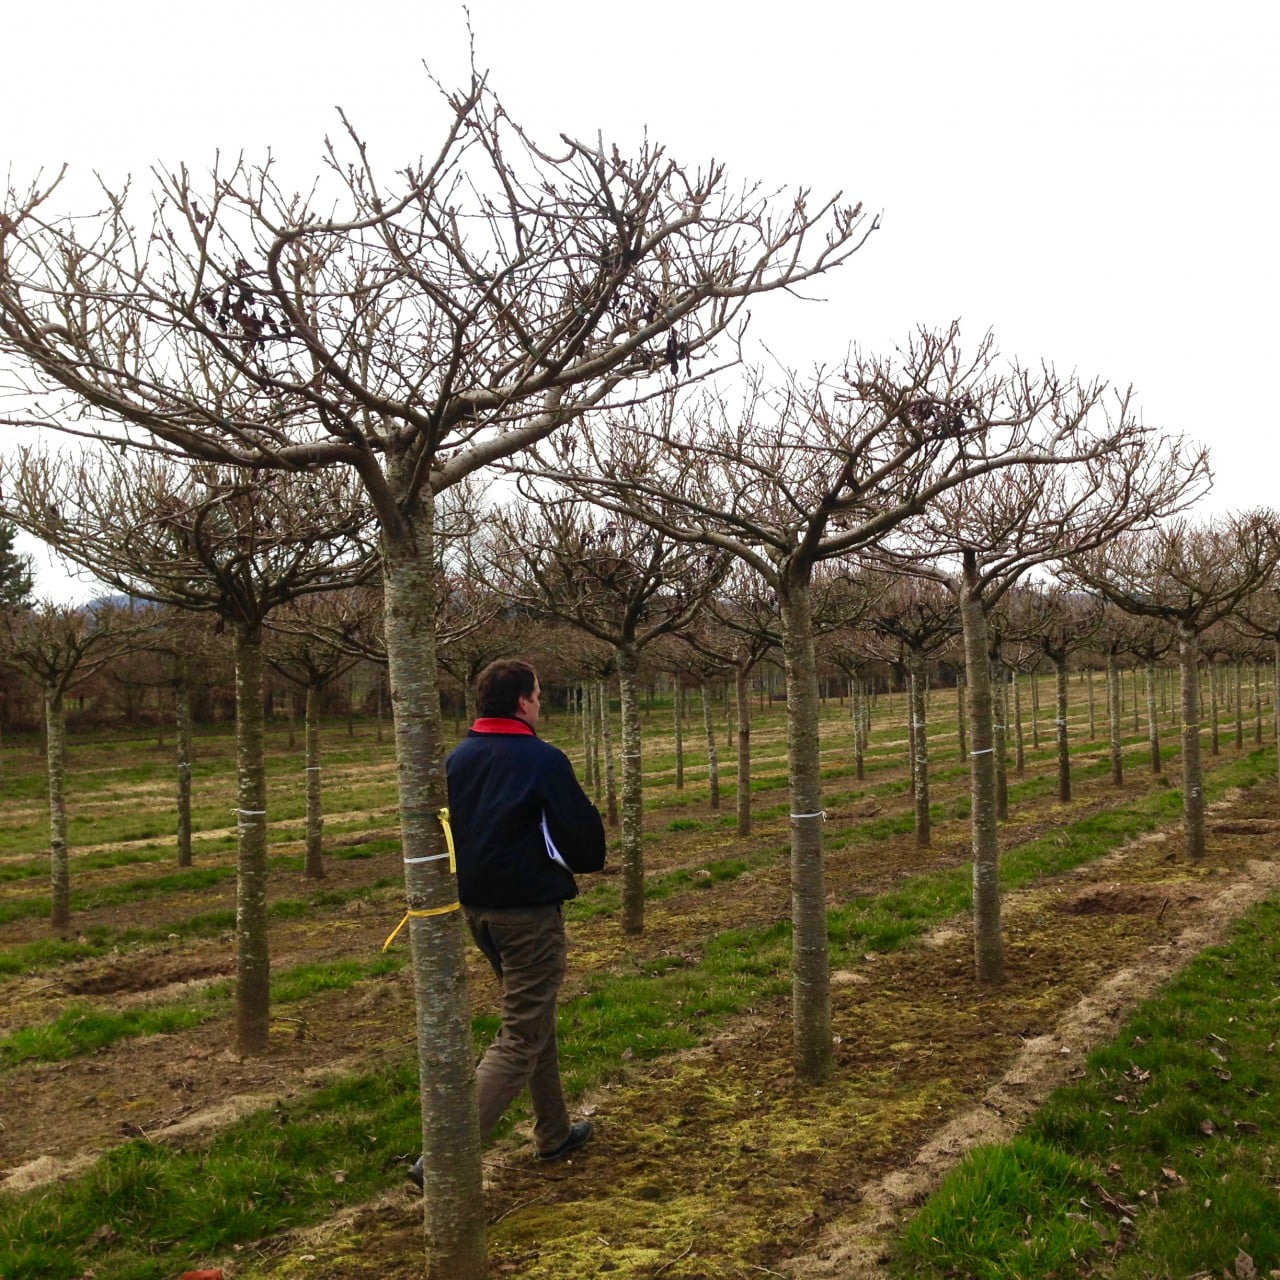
{"x": 15, "y": 572}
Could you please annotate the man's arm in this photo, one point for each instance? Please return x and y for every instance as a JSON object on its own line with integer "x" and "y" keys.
{"x": 574, "y": 822}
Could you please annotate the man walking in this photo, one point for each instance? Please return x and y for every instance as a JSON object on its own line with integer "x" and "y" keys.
{"x": 522, "y": 826}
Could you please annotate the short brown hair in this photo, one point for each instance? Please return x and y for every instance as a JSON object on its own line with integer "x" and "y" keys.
{"x": 501, "y": 685}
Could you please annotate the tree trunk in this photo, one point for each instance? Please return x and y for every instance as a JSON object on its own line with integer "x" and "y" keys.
{"x": 1239, "y": 707}
{"x": 908, "y": 699}
{"x": 999, "y": 708}
{"x": 588, "y": 736}
{"x": 594, "y": 696}
{"x": 606, "y": 735}
{"x": 1019, "y": 750}
{"x": 1192, "y": 778}
{"x": 1064, "y": 748}
{"x": 1113, "y": 717}
{"x": 1214, "y": 735}
{"x": 811, "y": 977}
{"x": 987, "y": 941}
{"x": 314, "y": 868}
{"x": 713, "y": 760}
{"x": 1153, "y": 725}
{"x": 859, "y": 729}
{"x": 920, "y": 750}
{"x": 632, "y": 797}
{"x": 1257, "y": 700}
{"x": 182, "y": 719}
{"x": 1035, "y": 711}
{"x": 453, "y": 1197}
{"x": 1093, "y": 719}
{"x": 742, "y": 693}
{"x": 678, "y": 702}
{"x": 55, "y": 723}
{"x": 1275, "y": 702}
{"x": 253, "y": 966}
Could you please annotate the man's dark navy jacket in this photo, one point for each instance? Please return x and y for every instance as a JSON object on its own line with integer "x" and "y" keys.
{"x": 502, "y": 779}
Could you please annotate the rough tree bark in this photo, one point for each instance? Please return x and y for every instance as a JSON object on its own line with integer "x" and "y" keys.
{"x": 1153, "y": 721}
{"x": 455, "y": 1217}
{"x": 632, "y": 795}
{"x": 743, "y": 697}
{"x": 810, "y": 975}
{"x": 606, "y": 736}
{"x": 186, "y": 746}
{"x": 1192, "y": 775}
{"x": 713, "y": 760}
{"x": 1113, "y": 720}
{"x": 253, "y": 965}
{"x": 55, "y": 720}
{"x": 314, "y": 860}
{"x": 988, "y": 941}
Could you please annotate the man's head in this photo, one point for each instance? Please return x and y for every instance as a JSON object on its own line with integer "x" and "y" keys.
{"x": 509, "y": 687}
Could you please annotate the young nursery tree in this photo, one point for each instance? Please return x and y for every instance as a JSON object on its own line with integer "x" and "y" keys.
{"x": 918, "y": 617}
{"x": 313, "y": 641}
{"x": 1076, "y": 471}
{"x": 60, "y": 645}
{"x": 414, "y": 328}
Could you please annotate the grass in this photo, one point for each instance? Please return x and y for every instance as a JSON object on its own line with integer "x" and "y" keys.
{"x": 170, "y": 1208}
{"x": 271, "y": 1172}
{"x": 82, "y": 1029}
{"x": 33, "y": 957}
{"x": 1162, "y": 1160}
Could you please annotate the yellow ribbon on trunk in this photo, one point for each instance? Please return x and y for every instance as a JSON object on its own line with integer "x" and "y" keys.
{"x": 443, "y": 815}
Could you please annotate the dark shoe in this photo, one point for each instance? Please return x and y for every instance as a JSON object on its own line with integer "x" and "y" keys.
{"x": 579, "y": 1136}
{"x": 414, "y": 1173}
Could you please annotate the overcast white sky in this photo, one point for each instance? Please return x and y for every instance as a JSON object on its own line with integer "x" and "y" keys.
{"x": 1096, "y": 182}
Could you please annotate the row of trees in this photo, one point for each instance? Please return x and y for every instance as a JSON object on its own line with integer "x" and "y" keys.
{"x": 298, "y": 402}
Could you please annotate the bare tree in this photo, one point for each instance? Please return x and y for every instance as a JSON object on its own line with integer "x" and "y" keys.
{"x": 313, "y": 641}
{"x": 920, "y": 617}
{"x": 688, "y": 660}
{"x": 213, "y": 540}
{"x": 739, "y": 626}
{"x": 1149, "y": 639}
{"x": 60, "y": 645}
{"x": 620, "y": 581}
{"x": 1059, "y": 622}
{"x": 1190, "y": 576}
{"x": 1097, "y": 473}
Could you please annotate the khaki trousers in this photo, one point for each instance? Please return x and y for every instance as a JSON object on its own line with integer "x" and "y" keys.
{"x": 526, "y": 947}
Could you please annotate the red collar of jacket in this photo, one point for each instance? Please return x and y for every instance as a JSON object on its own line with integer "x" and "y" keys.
{"x": 501, "y": 724}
